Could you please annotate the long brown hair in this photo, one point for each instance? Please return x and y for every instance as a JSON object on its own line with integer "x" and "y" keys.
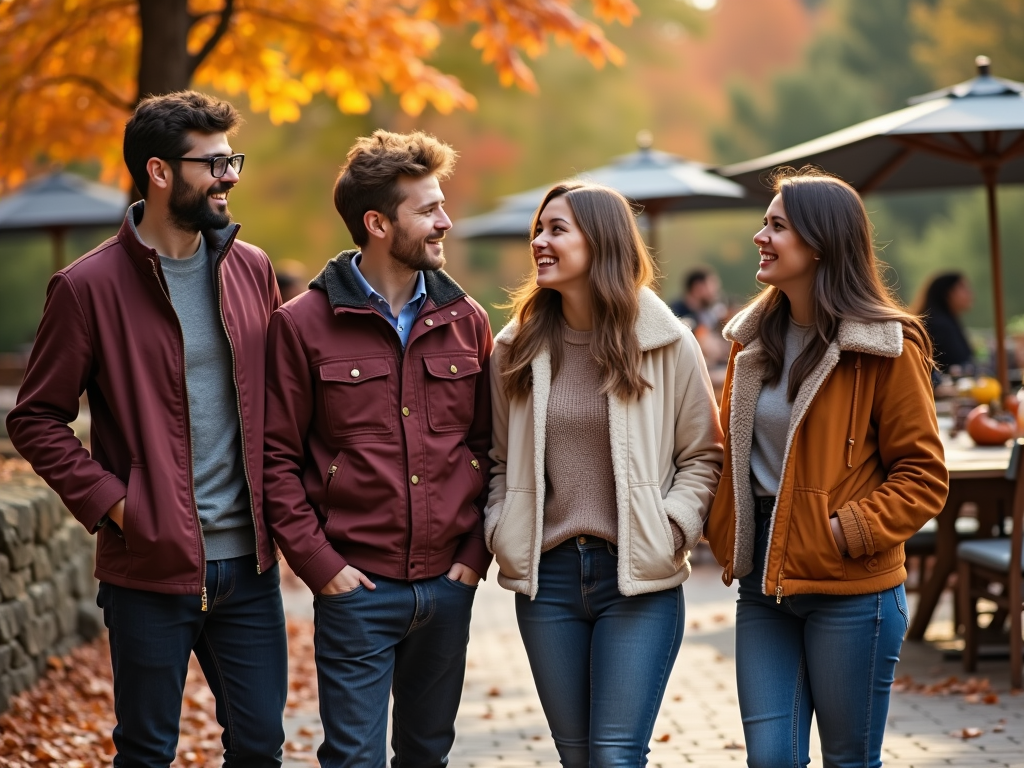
{"x": 829, "y": 216}
{"x": 620, "y": 266}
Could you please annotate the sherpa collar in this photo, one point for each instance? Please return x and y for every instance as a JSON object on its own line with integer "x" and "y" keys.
{"x": 342, "y": 289}
{"x": 655, "y": 327}
{"x": 884, "y": 339}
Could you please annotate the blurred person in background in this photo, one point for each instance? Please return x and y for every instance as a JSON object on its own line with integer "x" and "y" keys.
{"x": 292, "y": 278}
{"x": 942, "y": 303}
{"x": 702, "y": 309}
{"x": 699, "y": 305}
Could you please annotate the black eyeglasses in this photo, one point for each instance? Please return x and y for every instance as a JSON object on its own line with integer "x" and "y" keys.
{"x": 218, "y": 165}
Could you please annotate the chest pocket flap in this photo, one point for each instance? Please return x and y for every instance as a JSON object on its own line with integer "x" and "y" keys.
{"x": 452, "y": 366}
{"x": 357, "y": 397}
{"x": 354, "y": 371}
{"x": 451, "y": 391}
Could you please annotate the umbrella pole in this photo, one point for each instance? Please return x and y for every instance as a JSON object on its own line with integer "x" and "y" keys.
{"x": 995, "y": 254}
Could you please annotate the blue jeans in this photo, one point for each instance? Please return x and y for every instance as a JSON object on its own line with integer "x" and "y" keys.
{"x": 601, "y": 661}
{"x": 830, "y": 655}
{"x": 405, "y": 638}
{"x": 241, "y": 644}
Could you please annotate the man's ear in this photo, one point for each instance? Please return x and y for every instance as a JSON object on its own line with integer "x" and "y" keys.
{"x": 160, "y": 174}
{"x": 377, "y": 224}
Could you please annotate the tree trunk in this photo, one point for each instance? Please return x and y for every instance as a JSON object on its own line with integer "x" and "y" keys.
{"x": 164, "y": 62}
{"x": 163, "y": 58}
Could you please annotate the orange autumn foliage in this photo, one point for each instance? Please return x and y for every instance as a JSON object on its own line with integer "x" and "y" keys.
{"x": 72, "y": 70}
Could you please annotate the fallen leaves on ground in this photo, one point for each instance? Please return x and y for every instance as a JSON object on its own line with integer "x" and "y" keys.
{"x": 974, "y": 690}
{"x": 966, "y": 733}
{"x": 67, "y": 718}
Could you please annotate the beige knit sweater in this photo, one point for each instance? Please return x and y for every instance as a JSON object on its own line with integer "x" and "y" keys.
{"x": 580, "y": 496}
{"x": 580, "y": 482}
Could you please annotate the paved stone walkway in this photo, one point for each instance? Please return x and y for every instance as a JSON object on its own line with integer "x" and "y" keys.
{"x": 501, "y": 724}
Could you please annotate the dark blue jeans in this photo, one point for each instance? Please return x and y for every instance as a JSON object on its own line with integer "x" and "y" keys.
{"x": 402, "y": 638}
{"x": 830, "y": 655}
{"x": 241, "y": 644}
{"x": 601, "y": 661}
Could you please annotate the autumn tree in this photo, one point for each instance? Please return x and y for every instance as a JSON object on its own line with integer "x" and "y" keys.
{"x": 955, "y": 31}
{"x": 72, "y": 70}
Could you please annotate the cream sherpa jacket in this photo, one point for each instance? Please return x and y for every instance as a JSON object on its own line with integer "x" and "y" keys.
{"x": 666, "y": 456}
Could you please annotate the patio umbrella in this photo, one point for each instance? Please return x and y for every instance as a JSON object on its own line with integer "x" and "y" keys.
{"x": 58, "y": 202}
{"x": 958, "y": 136}
{"x": 658, "y": 181}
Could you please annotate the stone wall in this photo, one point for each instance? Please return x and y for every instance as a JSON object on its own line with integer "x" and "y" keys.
{"x": 47, "y": 590}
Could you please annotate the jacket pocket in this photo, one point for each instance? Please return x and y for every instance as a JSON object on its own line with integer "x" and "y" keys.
{"x": 451, "y": 391}
{"x": 356, "y": 396}
{"x": 512, "y": 539}
{"x": 811, "y": 550}
{"x": 720, "y": 527}
{"x": 332, "y": 496}
{"x": 652, "y": 551}
{"x": 138, "y": 538}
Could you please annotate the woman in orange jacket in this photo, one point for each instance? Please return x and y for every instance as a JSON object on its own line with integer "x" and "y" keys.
{"x": 832, "y": 461}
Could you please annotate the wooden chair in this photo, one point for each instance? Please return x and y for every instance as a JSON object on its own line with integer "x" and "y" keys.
{"x": 987, "y": 562}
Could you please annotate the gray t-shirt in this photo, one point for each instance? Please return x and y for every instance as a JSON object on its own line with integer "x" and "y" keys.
{"x": 222, "y": 496}
{"x": 771, "y": 419}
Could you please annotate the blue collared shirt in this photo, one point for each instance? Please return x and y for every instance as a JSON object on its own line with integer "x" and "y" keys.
{"x": 402, "y": 323}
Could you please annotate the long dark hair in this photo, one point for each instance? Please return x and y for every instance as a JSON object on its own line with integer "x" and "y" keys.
{"x": 935, "y": 297}
{"x": 620, "y": 265}
{"x": 829, "y": 216}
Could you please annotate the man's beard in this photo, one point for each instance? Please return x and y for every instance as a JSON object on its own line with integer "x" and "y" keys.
{"x": 413, "y": 253}
{"x": 190, "y": 207}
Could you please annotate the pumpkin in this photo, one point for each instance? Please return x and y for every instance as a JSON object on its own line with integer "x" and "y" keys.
{"x": 988, "y": 429}
{"x": 985, "y": 389}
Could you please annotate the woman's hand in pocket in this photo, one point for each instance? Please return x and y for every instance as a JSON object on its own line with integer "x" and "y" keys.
{"x": 838, "y": 535}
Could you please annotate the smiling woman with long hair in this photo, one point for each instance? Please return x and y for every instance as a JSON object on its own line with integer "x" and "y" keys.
{"x": 832, "y": 462}
{"x": 607, "y": 451}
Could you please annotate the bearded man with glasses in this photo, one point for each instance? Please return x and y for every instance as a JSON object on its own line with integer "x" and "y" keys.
{"x": 164, "y": 328}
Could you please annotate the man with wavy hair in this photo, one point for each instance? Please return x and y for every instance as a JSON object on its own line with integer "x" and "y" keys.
{"x": 378, "y": 427}
{"x": 164, "y": 327}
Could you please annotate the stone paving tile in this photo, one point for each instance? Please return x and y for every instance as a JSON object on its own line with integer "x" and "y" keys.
{"x": 501, "y": 724}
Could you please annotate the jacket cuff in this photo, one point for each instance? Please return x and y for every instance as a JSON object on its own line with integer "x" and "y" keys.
{"x": 678, "y": 537}
{"x": 858, "y": 541}
{"x": 319, "y": 569}
{"x": 473, "y": 552}
{"x": 105, "y": 496}
{"x": 690, "y": 524}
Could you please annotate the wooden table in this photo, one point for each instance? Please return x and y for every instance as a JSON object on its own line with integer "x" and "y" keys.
{"x": 976, "y": 474}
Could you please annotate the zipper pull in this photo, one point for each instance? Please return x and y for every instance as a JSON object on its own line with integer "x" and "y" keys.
{"x": 332, "y": 470}
{"x": 204, "y": 599}
{"x": 778, "y": 594}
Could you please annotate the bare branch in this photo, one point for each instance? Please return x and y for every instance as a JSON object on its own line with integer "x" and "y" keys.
{"x": 211, "y": 42}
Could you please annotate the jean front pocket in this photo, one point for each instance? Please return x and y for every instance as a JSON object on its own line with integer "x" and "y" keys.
{"x": 899, "y": 594}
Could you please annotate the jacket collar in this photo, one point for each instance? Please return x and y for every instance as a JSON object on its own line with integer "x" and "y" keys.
{"x": 343, "y": 290}
{"x": 884, "y": 339}
{"x": 218, "y": 241}
{"x": 655, "y": 327}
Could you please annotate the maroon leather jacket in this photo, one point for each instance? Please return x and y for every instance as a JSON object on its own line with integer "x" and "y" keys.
{"x": 109, "y": 330}
{"x": 377, "y": 457}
